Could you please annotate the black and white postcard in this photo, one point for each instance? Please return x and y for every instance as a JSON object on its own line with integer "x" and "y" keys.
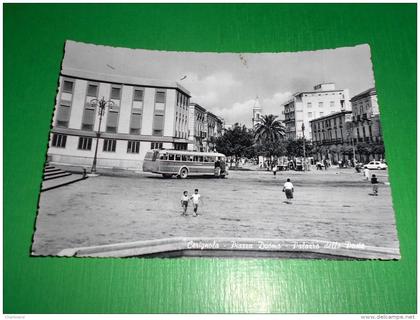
{"x": 178, "y": 154}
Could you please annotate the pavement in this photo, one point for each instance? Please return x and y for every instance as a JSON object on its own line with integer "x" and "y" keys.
{"x": 332, "y": 205}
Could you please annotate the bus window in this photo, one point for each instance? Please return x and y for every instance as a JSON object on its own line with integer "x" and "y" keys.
{"x": 184, "y": 157}
{"x": 177, "y": 157}
{"x": 206, "y": 159}
{"x": 211, "y": 159}
{"x": 195, "y": 158}
{"x": 171, "y": 156}
{"x": 190, "y": 158}
{"x": 200, "y": 158}
{"x": 163, "y": 156}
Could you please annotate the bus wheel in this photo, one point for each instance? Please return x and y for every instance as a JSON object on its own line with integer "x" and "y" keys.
{"x": 183, "y": 173}
{"x": 166, "y": 175}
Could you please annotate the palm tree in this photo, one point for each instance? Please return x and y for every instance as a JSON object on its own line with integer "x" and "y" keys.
{"x": 269, "y": 132}
{"x": 270, "y": 129}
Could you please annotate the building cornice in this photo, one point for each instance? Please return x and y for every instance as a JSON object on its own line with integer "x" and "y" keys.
{"x": 332, "y": 115}
{"x": 123, "y": 80}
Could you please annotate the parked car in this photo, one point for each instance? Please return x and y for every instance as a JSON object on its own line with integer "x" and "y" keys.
{"x": 375, "y": 165}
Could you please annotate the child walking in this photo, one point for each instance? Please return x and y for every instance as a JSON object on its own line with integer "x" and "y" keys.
{"x": 184, "y": 203}
{"x": 196, "y": 201}
{"x": 374, "y": 182}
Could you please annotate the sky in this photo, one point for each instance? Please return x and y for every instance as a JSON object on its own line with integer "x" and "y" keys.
{"x": 227, "y": 84}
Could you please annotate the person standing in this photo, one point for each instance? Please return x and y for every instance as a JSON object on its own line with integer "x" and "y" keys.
{"x": 288, "y": 189}
{"x": 366, "y": 173}
{"x": 374, "y": 182}
{"x": 274, "y": 169}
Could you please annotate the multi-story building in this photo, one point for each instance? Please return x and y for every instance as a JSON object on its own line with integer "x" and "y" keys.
{"x": 305, "y": 106}
{"x": 338, "y": 135}
{"x": 330, "y": 134}
{"x": 197, "y": 127}
{"x": 366, "y": 122}
{"x": 145, "y": 114}
{"x": 204, "y": 128}
{"x": 214, "y": 130}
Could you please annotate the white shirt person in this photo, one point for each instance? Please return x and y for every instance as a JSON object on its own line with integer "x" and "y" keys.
{"x": 195, "y": 197}
{"x": 288, "y": 189}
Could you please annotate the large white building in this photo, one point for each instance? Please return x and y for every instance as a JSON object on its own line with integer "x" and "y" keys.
{"x": 145, "y": 114}
{"x": 305, "y": 106}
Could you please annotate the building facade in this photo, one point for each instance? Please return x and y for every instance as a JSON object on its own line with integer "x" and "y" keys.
{"x": 214, "y": 130}
{"x": 305, "y": 106}
{"x": 204, "y": 128}
{"x": 366, "y": 122}
{"x": 331, "y": 136}
{"x": 197, "y": 127}
{"x": 350, "y": 134}
{"x": 144, "y": 114}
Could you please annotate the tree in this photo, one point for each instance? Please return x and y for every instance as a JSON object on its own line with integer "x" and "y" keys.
{"x": 295, "y": 147}
{"x": 237, "y": 141}
{"x": 364, "y": 148}
{"x": 378, "y": 148}
{"x": 268, "y": 134}
{"x": 347, "y": 150}
{"x": 270, "y": 128}
{"x": 267, "y": 148}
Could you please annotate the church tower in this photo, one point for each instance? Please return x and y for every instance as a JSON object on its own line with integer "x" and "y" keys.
{"x": 257, "y": 112}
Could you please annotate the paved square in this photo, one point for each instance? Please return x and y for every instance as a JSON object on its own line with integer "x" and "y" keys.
{"x": 332, "y": 205}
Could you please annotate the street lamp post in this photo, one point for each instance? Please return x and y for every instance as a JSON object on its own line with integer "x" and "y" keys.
{"x": 101, "y": 104}
{"x": 304, "y": 151}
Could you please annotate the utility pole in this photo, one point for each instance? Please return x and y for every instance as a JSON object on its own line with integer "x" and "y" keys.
{"x": 101, "y": 104}
{"x": 304, "y": 151}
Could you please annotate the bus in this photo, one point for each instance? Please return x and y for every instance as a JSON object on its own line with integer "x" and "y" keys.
{"x": 182, "y": 163}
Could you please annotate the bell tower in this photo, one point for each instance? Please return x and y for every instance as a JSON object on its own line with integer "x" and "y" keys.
{"x": 257, "y": 112}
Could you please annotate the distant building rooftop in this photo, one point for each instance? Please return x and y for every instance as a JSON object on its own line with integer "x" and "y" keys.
{"x": 323, "y": 87}
{"x": 211, "y": 114}
{"x": 364, "y": 94}
{"x": 331, "y": 115}
{"x": 123, "y": 79}
{"x": 196, "y": 105}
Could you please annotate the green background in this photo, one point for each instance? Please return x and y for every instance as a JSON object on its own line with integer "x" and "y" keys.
{"x": 34, "y": 37}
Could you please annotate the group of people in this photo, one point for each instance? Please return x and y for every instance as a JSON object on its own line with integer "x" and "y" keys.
{"x": 288, "y": 190}
{"x": 325, "y": 164}
{"x": 185, "y": 199}
{"x": 373, "y": 180}
{"x": 196, "y": 200}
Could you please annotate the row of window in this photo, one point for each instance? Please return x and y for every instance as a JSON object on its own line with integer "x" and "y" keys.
{"x": 328, "y": 135}
{"x": 313, "y": 115}
{"x": 109, "y": 145}
{"x": 183, "y": 157}
{"x": 321, "y": 104}
{"x": 321, "y": 94}
{"x": 328, "y": 123}
{"x": 89, "y": 114}
{"x": 93, "y": 88}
